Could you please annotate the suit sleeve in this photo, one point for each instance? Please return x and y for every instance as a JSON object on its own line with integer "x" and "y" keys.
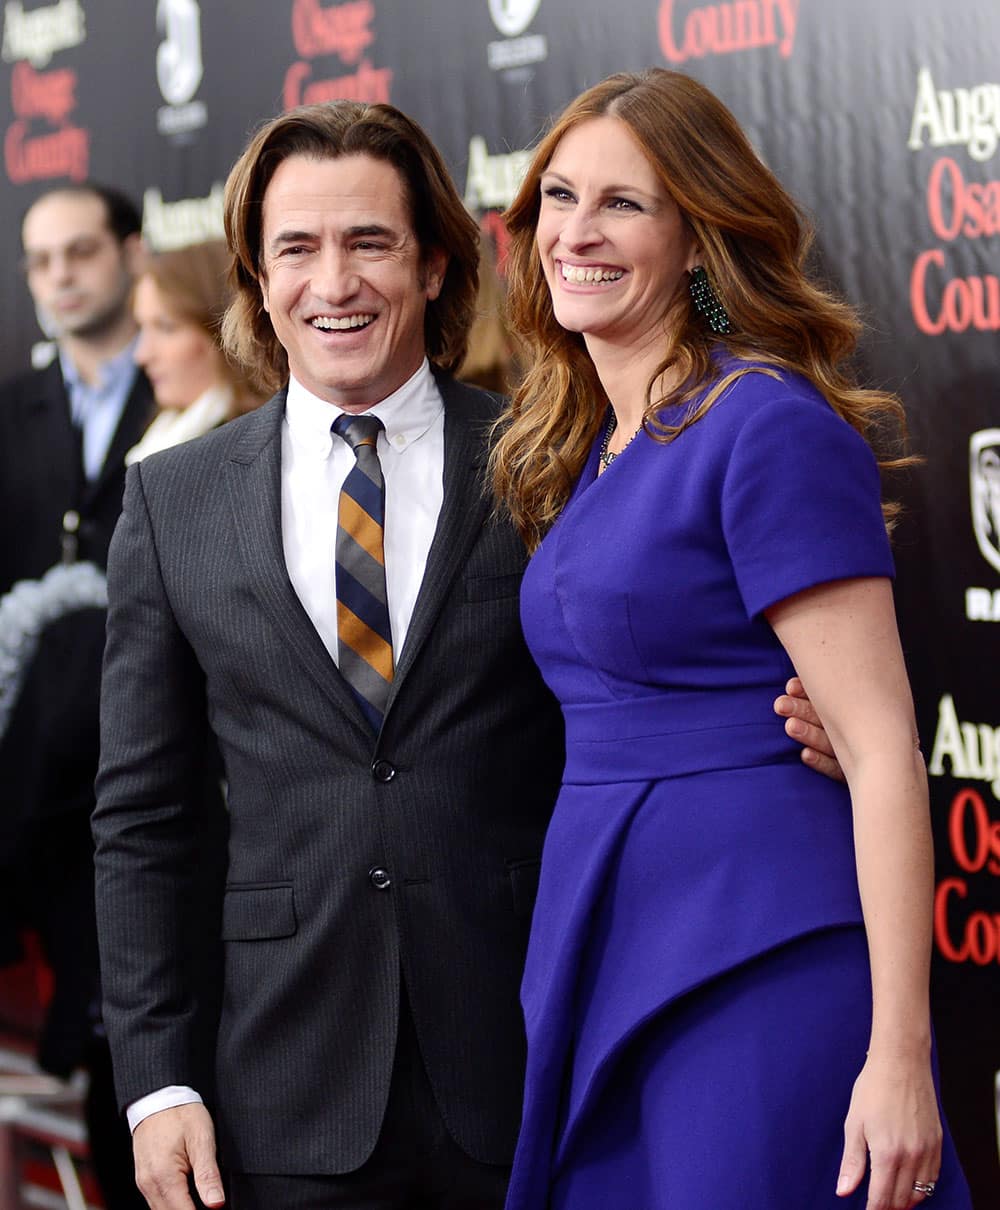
{"x": 801, "y": 504}
{"x": 150, "y": 789}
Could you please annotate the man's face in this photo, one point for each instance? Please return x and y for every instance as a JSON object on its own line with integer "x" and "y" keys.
{"x": 343, "y": 279}
{"x": 78, "y": 273}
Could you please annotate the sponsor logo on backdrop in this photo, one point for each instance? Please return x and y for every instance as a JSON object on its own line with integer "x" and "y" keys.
{"x": 491, "y": 182}
{"x": 189, "y": 220}
{"x": 983, "y": 604}
{"x": 959, "y": 209}
{"x": 344, "y": 30}
{"x": 60, "y": 149}
{"x": 984, "y": 483}
{"x": 39, "y": 34}
{"x": 966, "y": 751}
{"x": 956, "y": 117}
{"x": 695, "y": 31}
{"x": 518, "y": 51}
{"x": 179, "y": 67}
{"x": 512, "y": 17}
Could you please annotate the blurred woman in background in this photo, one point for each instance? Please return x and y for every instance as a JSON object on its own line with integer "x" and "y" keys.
{"x": 179, "y": 303}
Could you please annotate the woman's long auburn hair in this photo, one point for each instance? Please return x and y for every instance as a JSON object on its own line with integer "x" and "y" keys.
{"x": 754, "y": 242}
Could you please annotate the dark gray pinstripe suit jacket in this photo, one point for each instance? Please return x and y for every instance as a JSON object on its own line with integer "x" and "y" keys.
{"x": 203, "y": 623}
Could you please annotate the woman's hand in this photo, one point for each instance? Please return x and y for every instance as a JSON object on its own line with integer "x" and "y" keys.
{"x": 893, "y": 1119}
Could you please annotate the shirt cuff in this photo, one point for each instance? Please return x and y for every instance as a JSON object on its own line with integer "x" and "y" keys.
{"x": 164, "y": 1098}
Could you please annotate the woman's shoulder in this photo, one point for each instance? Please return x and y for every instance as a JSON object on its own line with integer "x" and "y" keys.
{"x": 755, "y": 395}
{"x": 748, "y": 386}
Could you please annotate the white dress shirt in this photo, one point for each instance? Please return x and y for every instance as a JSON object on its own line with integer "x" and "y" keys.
{"x": 96, "y": 408}
{"x": 314, "y": 464}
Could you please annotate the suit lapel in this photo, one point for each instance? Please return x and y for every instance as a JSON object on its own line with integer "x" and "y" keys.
{"x": 52, "y": 429}
{"x": 253, "y": 475}
{"x": 463, "y": 511}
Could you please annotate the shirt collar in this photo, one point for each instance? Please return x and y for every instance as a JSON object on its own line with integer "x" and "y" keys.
{"x": 111, "y": 373}
{"x": 406, "y": 414}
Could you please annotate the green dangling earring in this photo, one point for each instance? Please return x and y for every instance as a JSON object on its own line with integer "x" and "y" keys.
{"x": 706, "y": 302}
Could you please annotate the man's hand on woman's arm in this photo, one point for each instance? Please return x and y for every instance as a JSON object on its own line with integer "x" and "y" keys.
{"x": 805, "y": 726}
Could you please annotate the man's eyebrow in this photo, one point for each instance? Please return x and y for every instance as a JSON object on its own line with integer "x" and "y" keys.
{"x": 290, "y": 237}
{"x": 359, "y": 231}
{"x": 376, "y": 229}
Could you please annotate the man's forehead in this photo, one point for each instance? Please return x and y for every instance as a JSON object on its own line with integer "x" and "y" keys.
{"x": 335, "y": 191}
{"x": 60, "y": 217}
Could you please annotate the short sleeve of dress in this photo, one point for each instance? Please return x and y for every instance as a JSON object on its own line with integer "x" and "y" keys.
{"x": 801, "y": 501}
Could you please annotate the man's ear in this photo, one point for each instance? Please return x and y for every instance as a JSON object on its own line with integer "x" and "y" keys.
{"x": 435, "y": 267}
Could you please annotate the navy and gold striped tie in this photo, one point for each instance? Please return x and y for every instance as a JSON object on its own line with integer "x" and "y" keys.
{"x": 364, "y": 638}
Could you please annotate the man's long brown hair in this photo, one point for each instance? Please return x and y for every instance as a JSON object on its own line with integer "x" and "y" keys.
{"x": 440, "y": 221}
{"x": 754, "y": 243}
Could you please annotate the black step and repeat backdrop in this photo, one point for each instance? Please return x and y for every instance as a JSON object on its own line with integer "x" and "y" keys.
{"x": 883, "y": 117}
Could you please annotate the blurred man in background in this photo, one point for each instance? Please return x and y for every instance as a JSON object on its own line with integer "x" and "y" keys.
{"x": 64, "y": 431}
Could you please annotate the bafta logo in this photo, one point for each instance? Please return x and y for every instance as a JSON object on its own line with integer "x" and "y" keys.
{"x": 984, "y": 483}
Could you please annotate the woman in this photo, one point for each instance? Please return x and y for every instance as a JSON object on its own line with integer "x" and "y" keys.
{"x": 179, "y": 303}
{"x": 726, "y": 988}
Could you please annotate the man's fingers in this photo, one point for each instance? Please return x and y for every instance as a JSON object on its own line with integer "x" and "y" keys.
{"x": 827, "y": 765}
{"x": 168, "y": 1146}
{"x": 801, "y": 708}
{"x": 802, "y": 724}
{"x": 207, "y": 1180}
{"x": 809, "y": 736}
{"x": 164, "y": 1191}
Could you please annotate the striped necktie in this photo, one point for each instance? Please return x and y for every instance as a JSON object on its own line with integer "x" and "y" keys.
{"x": 364, "y": 638}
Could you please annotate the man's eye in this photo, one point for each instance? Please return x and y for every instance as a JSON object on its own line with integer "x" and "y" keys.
{"x": 83, "y": 251}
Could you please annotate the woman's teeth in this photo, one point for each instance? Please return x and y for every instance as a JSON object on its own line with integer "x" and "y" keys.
{"x": 577, "y": 274}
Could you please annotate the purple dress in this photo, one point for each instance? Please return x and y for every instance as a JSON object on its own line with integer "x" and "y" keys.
{"x": 697, "y": 990}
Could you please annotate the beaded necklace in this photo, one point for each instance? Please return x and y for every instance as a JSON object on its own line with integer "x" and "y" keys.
{"x": 604, "y": 454}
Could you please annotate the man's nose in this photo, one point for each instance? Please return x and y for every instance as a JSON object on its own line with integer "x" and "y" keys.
{"x": 61, "y": 266}
{"x": 335, "y": 278}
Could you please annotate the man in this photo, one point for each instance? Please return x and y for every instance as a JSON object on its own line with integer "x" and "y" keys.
{"x": 63, "y": 435}
{"x": 391, "y": 754}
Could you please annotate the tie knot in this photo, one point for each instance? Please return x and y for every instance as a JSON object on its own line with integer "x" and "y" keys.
{"x": 358, "y": 430}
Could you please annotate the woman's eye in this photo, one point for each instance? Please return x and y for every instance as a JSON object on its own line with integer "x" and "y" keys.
{"x": 557, "y": 193}
{"x": 623, "y": 203}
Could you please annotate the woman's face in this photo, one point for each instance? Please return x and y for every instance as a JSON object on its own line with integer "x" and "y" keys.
{"x": 180, "y": 358}
{"x": 614, "y": 246}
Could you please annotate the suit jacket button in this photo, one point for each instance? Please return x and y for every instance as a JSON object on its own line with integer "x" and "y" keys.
{"x": 379, "y": 878}
{"x": 383, "y": 771}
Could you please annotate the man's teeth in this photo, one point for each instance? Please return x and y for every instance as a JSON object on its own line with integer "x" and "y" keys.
{"x": 329, "y": 324}
{"x": 578, "y": 274}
